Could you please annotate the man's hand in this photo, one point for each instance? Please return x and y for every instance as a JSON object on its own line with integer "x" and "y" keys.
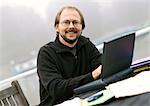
{"x": 97, "y": 72}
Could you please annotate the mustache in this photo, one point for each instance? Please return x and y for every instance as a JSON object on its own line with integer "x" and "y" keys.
{"x": 71, "y": 30}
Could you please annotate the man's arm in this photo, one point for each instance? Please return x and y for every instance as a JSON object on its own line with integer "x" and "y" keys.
{"x": 95, "y": 59}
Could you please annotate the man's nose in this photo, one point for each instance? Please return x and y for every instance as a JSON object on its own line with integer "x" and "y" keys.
{"x": 71, "y": 24}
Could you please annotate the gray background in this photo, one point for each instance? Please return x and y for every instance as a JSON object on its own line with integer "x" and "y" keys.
{"x": 23, "y": 31}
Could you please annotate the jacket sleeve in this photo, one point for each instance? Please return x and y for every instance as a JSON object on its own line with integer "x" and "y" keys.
{"x": 95, "y": 56}
{"x": 51, "y": 77}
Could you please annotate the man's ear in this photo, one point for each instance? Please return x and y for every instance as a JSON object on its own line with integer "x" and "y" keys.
{"x": 56, "y": 28}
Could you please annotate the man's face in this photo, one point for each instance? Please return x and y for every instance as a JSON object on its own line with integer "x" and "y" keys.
{"x": 69, "y": 24}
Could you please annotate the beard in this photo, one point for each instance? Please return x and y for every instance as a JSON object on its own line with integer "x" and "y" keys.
{"x": 70, "y": 41}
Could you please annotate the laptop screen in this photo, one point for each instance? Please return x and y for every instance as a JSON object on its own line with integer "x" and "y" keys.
{"x": 117, "y": 55}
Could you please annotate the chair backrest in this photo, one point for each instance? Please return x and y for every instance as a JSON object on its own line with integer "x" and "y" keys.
{"x": 13, "y": 96}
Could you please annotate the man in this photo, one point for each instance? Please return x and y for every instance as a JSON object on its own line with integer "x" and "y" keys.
{"x": 69, "y": 62}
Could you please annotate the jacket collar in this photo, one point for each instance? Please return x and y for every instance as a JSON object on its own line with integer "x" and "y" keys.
{"x": 59, "y": 47}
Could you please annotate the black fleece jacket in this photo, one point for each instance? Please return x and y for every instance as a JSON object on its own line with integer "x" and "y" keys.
{"x": 60, "y": 71}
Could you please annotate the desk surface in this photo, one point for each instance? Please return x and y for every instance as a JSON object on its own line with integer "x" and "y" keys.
{"x": 138, "y": 100}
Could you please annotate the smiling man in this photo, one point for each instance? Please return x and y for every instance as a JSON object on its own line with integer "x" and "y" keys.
{"x": 69, "y": 62}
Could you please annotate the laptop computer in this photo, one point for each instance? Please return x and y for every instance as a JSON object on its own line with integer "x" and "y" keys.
{"x": 117, "y": 55}
{"x": 116, "y": 61}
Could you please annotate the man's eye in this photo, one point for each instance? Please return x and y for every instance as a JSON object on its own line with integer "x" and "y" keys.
{"x": 66, "y": 22}
{"x": 76, "y": 23}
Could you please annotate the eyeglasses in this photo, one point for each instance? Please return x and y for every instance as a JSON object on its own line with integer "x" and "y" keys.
{"x": 67, "y": 23}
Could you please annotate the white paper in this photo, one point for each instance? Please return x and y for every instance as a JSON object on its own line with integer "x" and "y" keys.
{"x": 73, "y": 102}
{"x": 131, "y": 86}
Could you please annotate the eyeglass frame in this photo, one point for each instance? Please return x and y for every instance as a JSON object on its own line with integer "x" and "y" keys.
{"x": 66, "y": 23}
